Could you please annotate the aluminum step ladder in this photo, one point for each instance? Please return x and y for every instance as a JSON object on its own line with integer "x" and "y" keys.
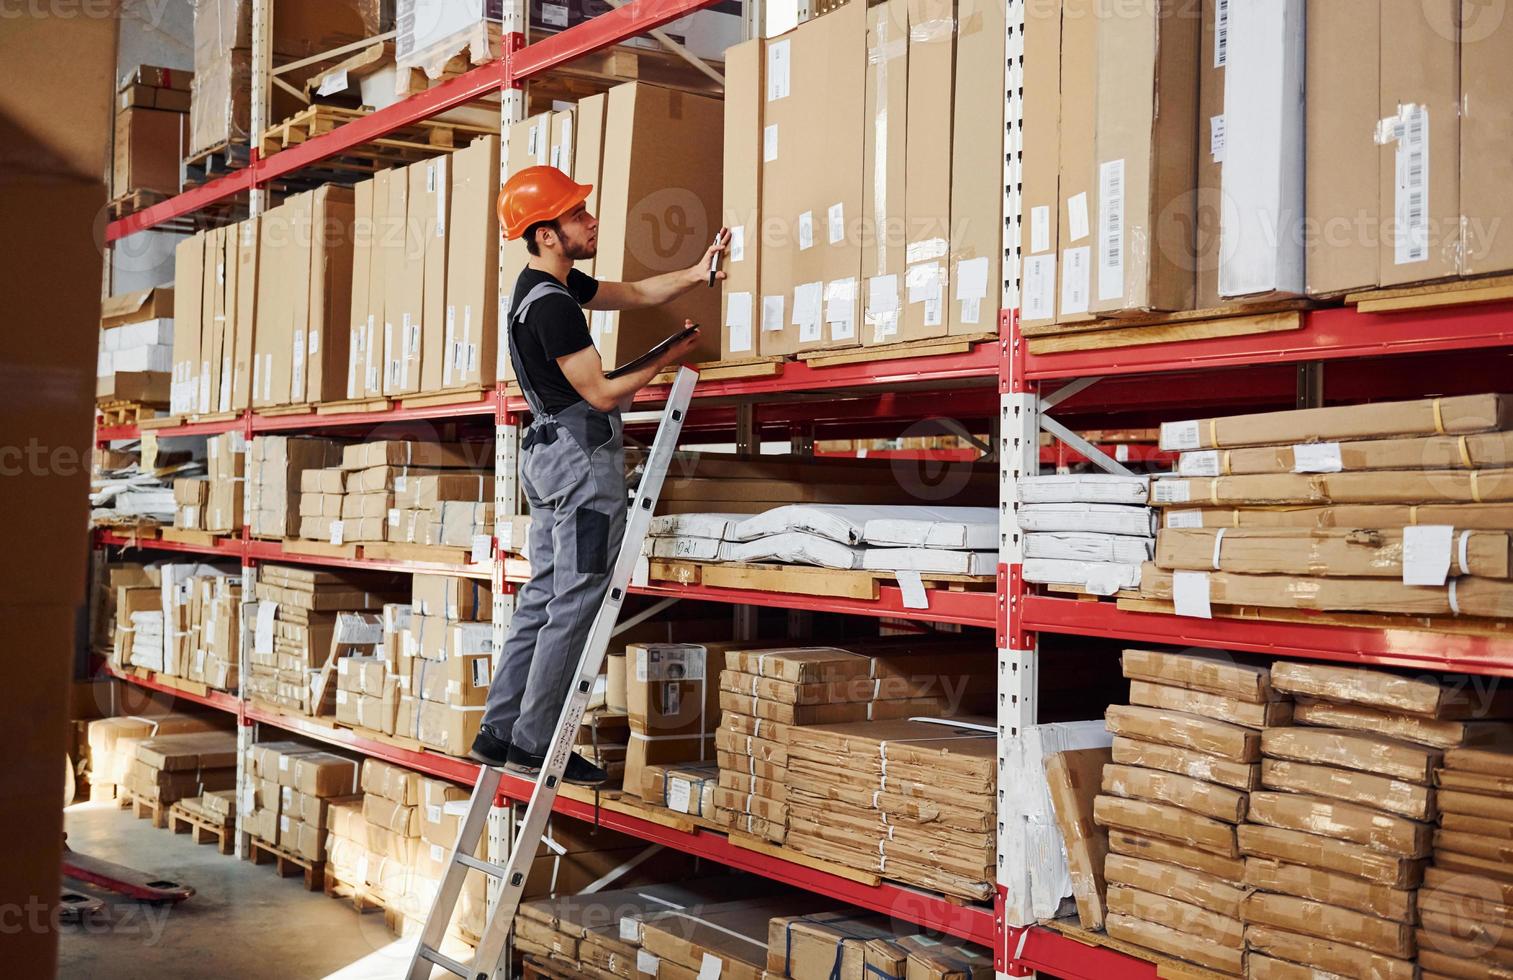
{"x": 490, "y": 951}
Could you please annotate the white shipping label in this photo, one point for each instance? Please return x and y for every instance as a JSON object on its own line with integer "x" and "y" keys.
{"x": 837, "y": 223}
{"x": 710, "y": 966}
{"x": 1184, "y": 518}
{"x": 738, "y": 322}
{"x": 630, "y": 929}
{"x": 679, "y": 791}
{"x": 1426, "y": 553}
{"x": 779, "y": 57}
{"x": 481, "y": 676}
{"x": 262, "y": 641}
{"x": 1216, "y": 137}
{"x": 336, "y": 532}
{"x": 769, "y": 143}
{"x": 483, "y": 549}
{"x": 912, "y": 585}
{"x": 923, "y": 282}
{"x": 1111, "y": 230}
{"x": 972, "y": 278}
{"x": 1040, "y": 287}
{"x": 807, "y": 311}
{"x": 806, "y": 230}
{"x": 1076, "y": 216}
{"x": 647, "y": 963}
{"x": 554, "y": 14}
{"x": 1412, "y": 204}
{"x": 1171, "y": 492}
{"x": 1221, "y": 34}
{"x": 441, "y": 197}
{"x": 1075, "y": 278}
{"x": 1040, "y": 228}
{"x": 737, "y": 247}
{"x": 1180, "y": 436}
{"x": 1204, "y": 463}
{"x": 341, "y": 697}
{"x": 882, "y": 295}
{"x": 332, "y": 83}
{"x": 840, "y": 309}
{"x": 1317, "y": 457}
{"x": 1190, "y": 594}
{"x": 772, "y": 313}
{"x": 641, "y": 574}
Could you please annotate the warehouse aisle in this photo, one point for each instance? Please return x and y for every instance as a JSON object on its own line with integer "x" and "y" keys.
{"x": 244, "y": 921}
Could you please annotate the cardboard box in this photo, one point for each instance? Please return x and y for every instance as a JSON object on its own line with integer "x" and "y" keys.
{"x": 331, "y": 269}
{"x": 1261, "y": 222}
{"x": 1346, "y": 822}
{"x": 470, "y": 334}
{"x": 1410, "y": 728}
{"x": 409, "y": 453}
{"x": 188, "y": 277}
{"x": 1192, "y": 888}
{"x": 1419, "y": 139}
{"x": 391, "y": 782}
{"x": 1344, "y": 78}
{"x": 1232, "y": 742}
{"x": 461, "y": 680}
{"x": 1040, "y": 221}
{"x": 1491, "y": 762}
{"x": 1154, "y": 786}
{"x": 1486, "y": 126}
{"x": 741, "y": 195}
{"x": 277, "y": 286}
{"x": 448, "y": 727}
{"x": 1366, "y": 789}
{"x": 977, "y": 132}
{"x": 683, "y": 788}
{"x": 149, "y": 143}
{"x": 1222, "y": 931}
{"x": 1489, "y": 450}
{"x": 403, "y": 257}
{"x": 451, "y": 596}
{"x": 1146, "y": 161}
{"x": 396, "y": 818}
{"x": 1336, "y": 958}
{"x": 1213, "y": 56}
{"x": 648, "y": 229}
{"x": 1187, "y": 762}
{"x": 1079, "y": 116}
{"x": 1299, "y": 915}
{"x": 1213, "y": 706}
{"x": 1331, "y": 888}
{"x": 1073, "y": 779}
{"x": 431, "y": 207}
{"x": 1363, "y": 751}
{"x": 1136, "y": 845}
{"x": 1422, "y": 695}
{"x": 140, "y": 306}
{"x": 1166, "y": 822}
{"x": 1168, "y": 940}
{"x": 242, "y": 322}
{"x": 927, "y": 160}
{"x": 1286, "y": 551}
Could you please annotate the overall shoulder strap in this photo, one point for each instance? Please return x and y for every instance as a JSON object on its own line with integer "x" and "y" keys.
{"x": 517, "y": 315}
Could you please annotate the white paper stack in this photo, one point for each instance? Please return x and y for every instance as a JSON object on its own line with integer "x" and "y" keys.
{"x": 147, "y": 639}
{"x": 691, "y": 537}
{"x": 1092, "y": 530}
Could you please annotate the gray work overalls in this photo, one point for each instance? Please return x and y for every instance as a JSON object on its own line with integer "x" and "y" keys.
{"x": 573, "y": 472}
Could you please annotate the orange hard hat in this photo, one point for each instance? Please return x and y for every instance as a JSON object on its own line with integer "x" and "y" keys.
{"x": 537, "y": 194}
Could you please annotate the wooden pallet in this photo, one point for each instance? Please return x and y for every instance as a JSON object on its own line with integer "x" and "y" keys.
{"x": 128, "y": 413}
{"x": 362, "y": 899}
{"x": 143, "y": 809}
{"x": 931, "y": 347}
{"x": 1454, "y": 292}
{"x": 289, "y": 864}
{"x": 406, "y": 145}
{"x": 202, "y": 829}
{"x": 134, "y": 201}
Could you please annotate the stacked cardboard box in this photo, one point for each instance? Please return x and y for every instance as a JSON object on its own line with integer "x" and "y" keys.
{"x": 391, "y": 797}
{"x": 673, "y": 699}
{"x": 214, "y": 630}
{"x": 441, "y": 809}
{"x": 189, "y": 497}
{"x": 347, "y": 856}
{"x": 1336, "y": 844}
{"x": 275, "y": 471}
{"x": 167, "y": 768}
{"x": 135, "y": 361}
{"x": 396, "y": 490}
{"x": 1463, "y": 906}
{"x": 113, "y": 742}
{"x": 151, "y": 131}
{"x": 367, "y": 689}
{"x": 217, "y": 806}
{"x": 910, "y": 799}
{"x": 1086, "y": 529}
{"x": 307, "y": 788}
{"x": 295, "y": 638}
{"x": 1186, "y": 757}
{"x": 1388, "y": 507}
{"x": 171, "y": 623}
{"x": 604, "y": 738}
{"x": 226, "y": 461}
{"x": 927, "y": 958}
{"x": 447, "y": 662}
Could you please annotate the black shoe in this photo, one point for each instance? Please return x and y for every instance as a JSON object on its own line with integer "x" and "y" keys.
{"x": 579, "y": 772}
{"x": 489, "y": 749}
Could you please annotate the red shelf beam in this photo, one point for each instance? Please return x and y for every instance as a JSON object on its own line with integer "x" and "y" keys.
{"x": 210, "y": 699}
{"x": 273, "y": 551}
{"x": 604, "y": 31}
{"x": 1417, "y": 649}
{"x": 224, "y": 547}
{"x": 1048, "y": 951}
{"x": 962, "y": 608}
{"x": 486, "y": 405}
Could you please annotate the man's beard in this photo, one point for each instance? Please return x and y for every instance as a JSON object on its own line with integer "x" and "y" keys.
{"x": 577, "y": 251}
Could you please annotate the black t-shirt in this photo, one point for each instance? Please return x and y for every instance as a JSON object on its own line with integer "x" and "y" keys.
{"x": 553, "y": 327}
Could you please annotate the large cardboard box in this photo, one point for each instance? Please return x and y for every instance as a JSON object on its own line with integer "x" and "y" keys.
{"x": 883, "y": 228}
{"x": 1344, "y": 68}
{"x": 213, "y": 333}
{"x": 1039, "y": 224}
{"x": 372, "y": 368}
{"x": 1213, "y": 56}
{"x": 363, "y": 235}
{"x": 673, "y": 696}
{"x": 329, "y": 303}
{"x": 471, "y": 331}
{"x": 530, "y": 146}
{"x": 149, "y": 143}
{"x": 1419, "y": 135}
{"x": 927, "y": 159}
{"x": 1261, "y": 222}
{"x": 588, "y": 149}
{"x": 189, "y": 285}
{"x": 248, "y": 256}
{"x": 977, "y": 133}
{"x": 1078, "y": 121}
{"x": 404, "y": 281}
{"x": 1147, "y": 105}
{"x": 433, "y": 222}
{"x": 648, "y": 227}
{"x": 272, "y": 360}
{"x": 741, "y": 198}
{"x": 1486, "y": 139}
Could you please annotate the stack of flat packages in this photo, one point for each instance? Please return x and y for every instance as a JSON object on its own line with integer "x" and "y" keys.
{"x": 113, "y": 743}
{"x": 926, "y": 958}
{"x": 173, "y": 767}
{"x": 367, "y": 691}
{"x": 216, "y": 806}
{"x": 189, "y": 497}
{"x": 1338, "y": 840}
{"x": 215, "y": 615}
{"x": 604, "y": 740}
{"x": 1090, "y": 530}
{"x": 909, "y": 799}
{"x": 226, "y": 459}
{"x": 1394, "y": 507}
{"x": 441, "y": 809}
{"x": 295, "y": 635}
{"x": 767, "y": 694}
{"x": 308, "y": 786}
{"x": 347, "y": 855}
{"x": 391, "y": 816}
{"x": 275, "y": 472}
{"x": 673, "y": 701}
{"x": 1186, "y": 758}
{"x": 691, "y": 537}
{"x": 398, "y": 490}
{"x": 1466, "y": 903}
{"x": 447, "y": 661}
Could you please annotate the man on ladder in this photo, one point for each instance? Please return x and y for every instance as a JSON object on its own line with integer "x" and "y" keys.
{"x": 572, "y": 459}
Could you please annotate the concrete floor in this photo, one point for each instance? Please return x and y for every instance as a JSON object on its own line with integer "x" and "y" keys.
{"x": 244, "y": 921}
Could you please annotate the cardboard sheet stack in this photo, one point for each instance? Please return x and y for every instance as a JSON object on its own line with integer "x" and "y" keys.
{"x": 1394, "y": 507}
{"x": 367, "y": 689}
{"x": 187, "y": 625}
{"x": 308, "y": 785}
{"x": 391, "y": 815}
{"x": 216, "y": 806}
{"x": 1466, "y": 902}
{"x": 226, "y": 458}
{"x": 911, "y": 799}
{"x": 942, "y": 540}
{"x": 413, "y": 492}
{"x": 1186, "y": 760}
{"x": 444, "y": 661}
{"x": 113, "y": 743}
{"x": 215, "y": 631}
{"x": 347, "y": 857}
{"x": 275, "y": 468}
{"x": 291, "y": 658}
{"x": 168, "y": 768}
{"x": 136, "y": 348}
{"x": 1336, "y": 846}
{"x": 604, "y": 740}
{"x": 1090, "y": 530}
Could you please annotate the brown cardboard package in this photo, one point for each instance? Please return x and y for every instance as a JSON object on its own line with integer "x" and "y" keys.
{"x": 1321, "y": 954}
{"x": 275, "y": 308}
{"x": 1079, "y": 115}
{"x": 1395, "y": 796}
{"x": 1342, "y": 821}
{"x": 1136, "y": 845}
{"x": 1486, "y": 127}
{"x": 1394, "y": 939}
{"x": 737, "y": 937}
{"x": 1418, "y": 695}
{"x": 1224, "y": 674}
{"x": 588, "y": 150}
{"x": 1474, "y": 596}
{"x": 448, "y": 727}
{"x": 403, "y": 283}
{"x": 213, "y": 329}
{"x": 1187, "y": 762}
{"x": 1213, "y": 706}
{"x": 471, "y": 333}
{"x": 927, "y": 160}
{"x": 977, "y": 132}
{"x": 325, "y": 774}
{"x": 1287, "y": 551}
{"x": 1344, "y": 70}
{"x": 1145, "y": 157}
{"x": 1154, "y": 786}
{"x": 1363, "y": 751}
{"x": 1168, "y": 940}
{"x": 149, "y": 143}
{"x": 391, "y": 782}
{"x": 1345, "y": 891}
{"x": 1039, "y": 227}
{"x": 1456, "y": 415}
{"x": 1411, "y": 728}
{"x": 189, "y": 282}
{"x": 1209, "y": 143}
{"x": 1073, "y": 779}
{"x": 1223, "y": 931}
{"x": 1193, "y": 888}
{"x": 329, "y": 302}
{"x": 1419, "y": 137}
{"x": 244, "y": 322}
{"x": 1183, "y": 730}
{"x": 1488, "y": 761}
{"x": 396, "y": 818}
{"x": 365, "y": 233}
{"x": 433, "y": 225}
{"x": 648, "y": 228}
{"x": 1479, "y": 451}
{"x": 297, "y": 265}
{"x": 884, "y": 229}
{"x": 1167, "y": 822}
{"x": 741, "y": 197}
{"x": 822, "y": 943}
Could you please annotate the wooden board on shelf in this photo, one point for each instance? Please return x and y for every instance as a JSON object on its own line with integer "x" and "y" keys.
{"x": 1453, "y": 292}
{"x": 1167, "y": 319}
{"x": 768, "y": 578}
{"x": 933, "y": 347}
{"x": 461, "y": 397}
{"x": 398, "y": 741}
{"x": 353, "y": 406}
{"x": 1167, "y": 967}
{"x": 169, "y": 421}
{"x": 416, "y": 141}
{"x": 749, "y": 843}
{"x": 319, "y": 549}
{"x": 400, "y": 551}
{"x": 279, "y": 411}
{"x": 189, "y": 536}
{"x": 617, "y": 801}
{"x": 1378, "y": 621}
{"x": 1165, "y": 333}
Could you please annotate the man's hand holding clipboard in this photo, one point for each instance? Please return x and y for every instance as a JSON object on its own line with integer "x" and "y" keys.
{"x": 670, "y": 351}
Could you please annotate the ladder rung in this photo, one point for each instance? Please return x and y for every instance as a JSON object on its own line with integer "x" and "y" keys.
{"x": 479, "y": 864}
{"x": 445, "y": 962}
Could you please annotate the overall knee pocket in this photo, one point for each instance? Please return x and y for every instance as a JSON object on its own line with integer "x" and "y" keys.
{"x": 591, "y": 532}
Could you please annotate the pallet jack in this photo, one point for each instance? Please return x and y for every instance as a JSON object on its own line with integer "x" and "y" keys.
{"x": 488, "y": 957}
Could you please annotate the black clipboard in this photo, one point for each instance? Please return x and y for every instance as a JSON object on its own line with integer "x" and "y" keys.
{"x": 652, "y": 354}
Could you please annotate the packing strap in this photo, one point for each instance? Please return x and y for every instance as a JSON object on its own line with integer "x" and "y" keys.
{"x": 1461, "y": 552}
{"x": 1439, "y": 416}
{"x": 1218, "y": 543}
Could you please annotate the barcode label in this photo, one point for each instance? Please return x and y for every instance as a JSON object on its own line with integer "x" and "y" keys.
{"x": 1221, "y": 34}
{"x": 1413, "y": 187}
{"x": 1074, "y": 280}
{"x": 1111, "y": 230}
